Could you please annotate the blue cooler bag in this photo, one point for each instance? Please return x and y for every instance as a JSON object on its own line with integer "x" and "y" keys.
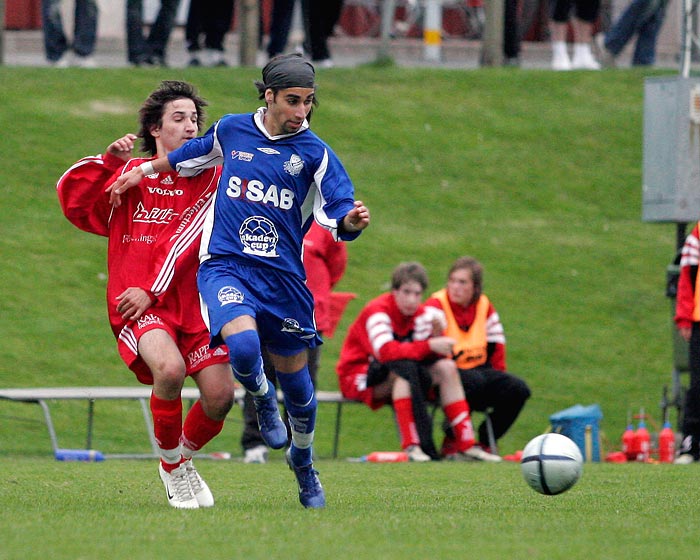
{"x": 581, "y": 424}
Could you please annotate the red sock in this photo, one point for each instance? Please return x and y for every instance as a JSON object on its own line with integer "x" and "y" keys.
{"x": 167, "y": 422}
{"x": 406, "y": 422}
{"x": 199, "y": 429}
{"x": 458, "y": 415}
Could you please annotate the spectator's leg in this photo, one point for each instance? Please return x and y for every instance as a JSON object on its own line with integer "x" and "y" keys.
{"x": 85, "y": 36}
{"x": 159, "y": 34}
{"x": 55, "y": 42}
{"x": 135, "y": 42}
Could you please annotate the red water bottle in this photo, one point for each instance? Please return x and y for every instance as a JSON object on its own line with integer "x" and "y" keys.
{"x": 386, "y": 457}
{"x": 667, "y": 444}
{"x": 642, "y": 441}
{"x": 628, "y": 443}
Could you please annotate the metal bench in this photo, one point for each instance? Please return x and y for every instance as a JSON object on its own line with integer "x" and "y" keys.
{"x": 42, "y": 395}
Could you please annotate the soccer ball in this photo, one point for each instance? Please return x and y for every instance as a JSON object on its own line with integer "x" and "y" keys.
{"x": 551, "y": 463}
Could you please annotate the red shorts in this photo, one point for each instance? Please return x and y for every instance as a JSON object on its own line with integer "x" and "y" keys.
{"x": 354, "y": 387}
{"x": 194, "y": 347}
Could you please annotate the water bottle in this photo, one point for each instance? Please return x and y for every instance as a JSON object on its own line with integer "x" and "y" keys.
{"x": 87, "y": 455}
{"x": 642, "y": 441}
{"x": 667, "y": 444}
{"x": 386, "y": 457}
{"x": 628, "y": 443}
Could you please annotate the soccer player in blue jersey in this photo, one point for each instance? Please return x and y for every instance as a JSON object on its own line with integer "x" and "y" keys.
{"x": 277, "y": 177}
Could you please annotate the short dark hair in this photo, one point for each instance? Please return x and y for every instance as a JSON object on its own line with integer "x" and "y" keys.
{"x": 151, "y": 112}
{"x": 477, "y": 270}
{"x": 409, "y": 272}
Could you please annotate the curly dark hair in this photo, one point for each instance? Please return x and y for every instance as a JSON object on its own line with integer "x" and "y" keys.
{"x": 151, "y": 112}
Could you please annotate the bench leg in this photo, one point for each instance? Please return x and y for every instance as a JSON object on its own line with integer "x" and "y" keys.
{"x": 489, "y": 431}
{"x": 336, "y": 437}
{"x": 149, "y": 426}
{"x": 91, "y": 415}
{"x": 49, "y": 425}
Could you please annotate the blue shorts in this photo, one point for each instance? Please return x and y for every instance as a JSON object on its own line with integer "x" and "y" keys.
{"x": 280, "y": 303}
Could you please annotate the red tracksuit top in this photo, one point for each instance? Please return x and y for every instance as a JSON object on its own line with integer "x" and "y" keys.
{"x": 153, "y": 236}
{"x": 381, "y": 332}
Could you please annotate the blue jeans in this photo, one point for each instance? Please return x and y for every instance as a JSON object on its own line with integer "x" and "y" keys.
{"x": 85, "y": 30}
{"x": 642, "y": 18}
{"x": 139, "y": 47}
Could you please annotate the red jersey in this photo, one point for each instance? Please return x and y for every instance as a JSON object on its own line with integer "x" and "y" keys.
{"x": 495, "y": 336}
{"x": 687, "y": 280}
{"x": 153, "y": 235}
{"x": 324, "y": 261}
{"x": 381, "y": 332}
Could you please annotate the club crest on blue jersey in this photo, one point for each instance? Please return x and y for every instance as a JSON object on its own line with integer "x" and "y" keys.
{"x": 259, "y": 237}
{"x": 229, "y": 294}
{"x": 294, "y": 165}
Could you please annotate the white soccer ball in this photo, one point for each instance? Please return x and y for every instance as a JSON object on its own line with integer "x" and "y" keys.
{"x": 551, "y": 463}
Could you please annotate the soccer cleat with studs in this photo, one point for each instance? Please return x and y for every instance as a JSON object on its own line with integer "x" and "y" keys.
{"x": 311, "y": 493}
{"x": 178, "y": 488}
{"x": 272, "y": 429}
{"x": 200, "y": 489}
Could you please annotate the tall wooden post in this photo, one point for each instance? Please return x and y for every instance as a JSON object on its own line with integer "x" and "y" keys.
{"x": 248, "y": 24}
{"x": 492, "y": 44}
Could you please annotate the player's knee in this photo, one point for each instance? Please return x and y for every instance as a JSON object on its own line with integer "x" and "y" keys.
{"x": 169, "y": 374}
{"x": 244, "y": 351}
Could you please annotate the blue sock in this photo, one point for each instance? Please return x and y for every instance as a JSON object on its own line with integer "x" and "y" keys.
{"x": 246, "y": 361}
{"x": 300, "y": 401}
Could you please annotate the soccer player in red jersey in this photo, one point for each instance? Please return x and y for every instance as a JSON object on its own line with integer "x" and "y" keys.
{"x": 152, "y": 296}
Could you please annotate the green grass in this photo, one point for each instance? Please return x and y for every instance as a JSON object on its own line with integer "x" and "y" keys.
{"x": 407, "y": 511}
{"x": 537, "y": 174}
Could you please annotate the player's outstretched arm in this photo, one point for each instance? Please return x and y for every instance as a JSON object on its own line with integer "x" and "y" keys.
{"x": 133, "y": 177}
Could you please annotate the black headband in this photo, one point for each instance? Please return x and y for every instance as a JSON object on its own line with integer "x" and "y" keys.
{"x": 289, "y": 70}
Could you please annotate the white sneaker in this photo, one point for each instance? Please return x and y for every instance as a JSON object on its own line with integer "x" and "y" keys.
{"x": 213, "y": 58}
{"x": 684, "y": 459}
{"x": 416, "y": 455}
{"x": 177, "y": 488}
{"x": 476, "y": 453}
{"x": 607, "y": 59}
{"x": 583, "y": 58}
{"x": 257, "y": 454}
{"x": 561, "y": 62}
{"x": 63, "y": 62}
{"x": 84, "y": 61}
{"x": 200, "y": 489}
{"x": 560, "y": 56}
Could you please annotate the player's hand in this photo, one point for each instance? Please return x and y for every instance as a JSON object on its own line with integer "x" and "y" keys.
{"x": 132, "y": 303}
{"x": 358, "y": 218}
{"x": 685, "y": 333}
{"x": 442, "y": 345}
{"x": 122, "y": 147}
{"x": 125, "y": 181}
{"x": 439, "y": 325}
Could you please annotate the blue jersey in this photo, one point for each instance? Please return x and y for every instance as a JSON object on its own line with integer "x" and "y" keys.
{"x": 271, "y": 188}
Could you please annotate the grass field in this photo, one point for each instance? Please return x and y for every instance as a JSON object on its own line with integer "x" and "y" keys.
{"x": 391, "y": 511}
{"x": 537, "y": 174}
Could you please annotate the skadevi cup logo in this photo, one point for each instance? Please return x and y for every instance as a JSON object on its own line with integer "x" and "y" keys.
{"x": 229, "y": 294}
